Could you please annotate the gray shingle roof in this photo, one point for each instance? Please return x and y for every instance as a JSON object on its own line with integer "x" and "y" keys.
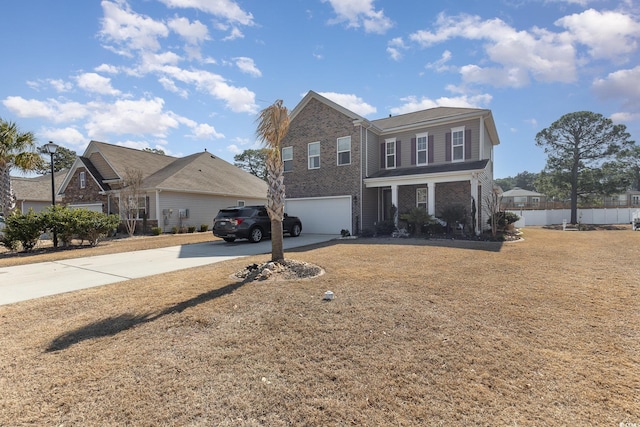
{"x": 123, "y": 158}
{"x": 206, "y": 173}
{"x": 425, "y": 170}
{"x": 422, "y": 116}
{"x": 37, "y": 188}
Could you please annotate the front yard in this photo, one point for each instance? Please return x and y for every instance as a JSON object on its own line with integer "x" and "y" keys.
{"x": 544, "y": 331}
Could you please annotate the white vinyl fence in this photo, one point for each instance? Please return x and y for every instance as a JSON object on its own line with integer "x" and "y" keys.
{"x": 585, "y": 216}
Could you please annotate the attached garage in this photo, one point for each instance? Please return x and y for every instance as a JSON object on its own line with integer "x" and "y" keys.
{"x": 322, "y": 215}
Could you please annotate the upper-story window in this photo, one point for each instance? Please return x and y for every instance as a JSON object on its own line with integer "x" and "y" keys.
{"x": 344, "y": 150}
{"x": 635, "y": 200}
{"x": 314, "y": 155}
{"x": 421, "y": 148}
{"x": 457, "y": 144}
{"x": 390, "y": 153}
{"x": 82, "y": 178}
{"x": 287, "y": 158}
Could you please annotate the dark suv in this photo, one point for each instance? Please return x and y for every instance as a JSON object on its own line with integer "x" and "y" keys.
{"x": 250, "y": 222}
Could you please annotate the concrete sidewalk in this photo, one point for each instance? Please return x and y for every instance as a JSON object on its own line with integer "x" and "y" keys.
{"x": 31, "y": 281}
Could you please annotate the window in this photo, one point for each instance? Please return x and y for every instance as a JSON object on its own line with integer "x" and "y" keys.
{"x": 520, "y": 201}
{"x": 135, "y": 208}
{"x": 457, "y": 144}
{"x": 635, "y": 200}
{"x": 390, "y": 156}
{"x": 421, "y": 198}
{"x": 83, "y": 179}
{"x": 421, "y": 148}
{"x": 344, "y": 151}
{"x": 535, "y": 201}
{"x": 314, "y": 155}
{"x": 240, "y": 203}
{"x": 287, "y": 158}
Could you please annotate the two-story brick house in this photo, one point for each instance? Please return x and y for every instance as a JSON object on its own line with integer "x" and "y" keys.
{"x": 343, "y": 171}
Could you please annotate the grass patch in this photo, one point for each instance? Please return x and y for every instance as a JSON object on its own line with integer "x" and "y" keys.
{"x": 538, "y": 332}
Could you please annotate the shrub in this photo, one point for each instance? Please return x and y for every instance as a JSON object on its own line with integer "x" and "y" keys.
{"x": 367, "y": 232}
{"x": 385, "y": 228}
{"x": 92, "y": 226}
{"x": 503, "y": 219}
{"x": 416, "y": 218}
{"x": 453, "y": 215}
{"x": 24, "y": 229}
{"x": 191, "y": 229}
{"x": 174, "y": 230}
{"x": 204, "y": 227}
{"x": 156, "y": 231}
{"x": 345, "y": 233}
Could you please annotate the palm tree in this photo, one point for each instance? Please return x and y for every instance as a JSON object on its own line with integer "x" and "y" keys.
{"x": 273, "y": 124}
{"x": 17, "y": 149}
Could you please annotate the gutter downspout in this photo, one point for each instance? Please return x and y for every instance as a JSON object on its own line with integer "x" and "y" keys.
{"x": 158, "y": 210}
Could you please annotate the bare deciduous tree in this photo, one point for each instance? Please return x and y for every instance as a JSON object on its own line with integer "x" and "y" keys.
{"x": 130, "y": 195}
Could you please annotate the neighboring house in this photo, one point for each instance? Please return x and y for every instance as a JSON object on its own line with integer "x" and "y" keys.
{"x": 343, "y": 171}
{"x": 517, "y": 198}
{"x": 35, "y": 192}
{"x": 175, "y": 192}
{"x": 630, "y": 198}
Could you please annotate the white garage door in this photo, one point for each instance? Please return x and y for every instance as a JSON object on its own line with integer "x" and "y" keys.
{"x": 322, "y": 215}
{"x": 88, "y": 206}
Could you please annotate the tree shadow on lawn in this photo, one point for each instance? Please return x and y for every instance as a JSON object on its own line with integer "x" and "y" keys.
{"x": 114, "y": 325}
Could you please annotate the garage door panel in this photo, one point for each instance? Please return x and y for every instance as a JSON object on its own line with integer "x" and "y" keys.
{"x": 322, "y": 215}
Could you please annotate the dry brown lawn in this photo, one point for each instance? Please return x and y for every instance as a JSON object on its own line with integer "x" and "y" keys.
{"x": 545, "y": 331}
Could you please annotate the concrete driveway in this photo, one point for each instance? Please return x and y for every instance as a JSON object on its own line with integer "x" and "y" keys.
{"x": 31, "y": 281}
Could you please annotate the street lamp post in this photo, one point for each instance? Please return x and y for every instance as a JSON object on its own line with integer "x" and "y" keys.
{"x": 51, "y": 149}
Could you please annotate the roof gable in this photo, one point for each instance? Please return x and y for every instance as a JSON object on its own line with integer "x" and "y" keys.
{"x": 314, "y": 95}
{"x": 112, "y": 161}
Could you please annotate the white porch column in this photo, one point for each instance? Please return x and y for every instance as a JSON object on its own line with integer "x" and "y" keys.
{"x": 394, "y": 202}
{"x": 431, "y": 198}
{"x": 474, "y": 196}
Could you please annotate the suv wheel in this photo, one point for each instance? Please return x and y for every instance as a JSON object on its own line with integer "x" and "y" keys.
{"x": 255, "y": 235}
{"x": 295, "y": 230}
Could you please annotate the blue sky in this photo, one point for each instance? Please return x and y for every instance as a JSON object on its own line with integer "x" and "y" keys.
{"x": 185, "y": 75}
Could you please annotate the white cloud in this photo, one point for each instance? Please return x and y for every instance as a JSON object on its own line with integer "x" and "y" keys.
{"x": 412, "y": 103}
{"x": 60, "y": 85}
{"x": 205, "y": 131}
{"x": 395, "y": 47}
{"x": 106, "y": 68}
{"x": 246, "y": 65}
{"x": 95, "y": 83}
{"x": 63, "y": 136}
{"x": 625, "y": 117}
{"x": 51, "y": 109}
{"x": 234, "y": 149}
{"x": 141, "y": 116}
{"x": 544, "y": 55}
{"x": 350, "y": 102}
{"x": 621, "y": 84}
{"x": 441, "y": 64}
{"x": 171, "y": 86}
{"x": 360, "y": 13}
{"x": 129, "y": 30}
{"x": 225, "y": 9}
{"x": 193, "y": 33}
{"x": 607, "y": 34}
{"x": 234, "y": 34}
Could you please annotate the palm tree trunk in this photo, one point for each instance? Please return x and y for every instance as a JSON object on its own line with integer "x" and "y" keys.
{"x": 275, "y": 205}
{"x": 7, "y": 201}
